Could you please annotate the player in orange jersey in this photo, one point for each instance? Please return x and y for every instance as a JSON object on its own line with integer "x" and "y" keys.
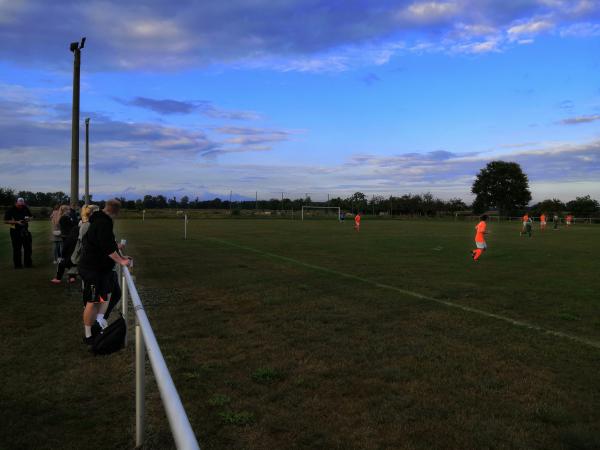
{"x": 543, "y": 222}
{"x": 569, "y": 220}
{"x": 525, "y": 220}
{"x": 357, "y": 222}
{"x": 480, "y": 244}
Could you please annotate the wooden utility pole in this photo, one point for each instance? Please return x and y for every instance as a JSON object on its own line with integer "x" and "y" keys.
{"x": 87, "y": 161}
{"x": 76, "y": 48}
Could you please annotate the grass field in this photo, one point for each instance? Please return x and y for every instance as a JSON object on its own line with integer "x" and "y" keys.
{"x": 285, "y": 334}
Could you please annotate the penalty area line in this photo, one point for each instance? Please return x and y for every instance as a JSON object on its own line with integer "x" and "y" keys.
{"x": 515, "y": 322}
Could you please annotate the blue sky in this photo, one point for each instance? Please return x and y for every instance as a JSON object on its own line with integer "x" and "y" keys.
{"x": 318, "y": 97}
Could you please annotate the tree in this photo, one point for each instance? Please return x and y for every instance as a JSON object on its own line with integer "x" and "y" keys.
{"x": 455, "y": 205}
{"x": 501, "y": 185}
{"x": 377, "y": 204}
{"x": 358, "y": 200}
{"x": 7, "y": 196}
{"x": 161, "y": 201}
{"x": 583, "y": 206}
{"x": 549, "y": 206}
{"x": 148, "y": 202}
{"x": 58, "y": 198}
{"x": 184, "y": 202}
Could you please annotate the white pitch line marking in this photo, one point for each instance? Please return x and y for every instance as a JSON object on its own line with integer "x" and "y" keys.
{"x": 518, "y": 323}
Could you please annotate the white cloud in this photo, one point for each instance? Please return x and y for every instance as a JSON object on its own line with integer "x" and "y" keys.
{"x": 530, "y": 28}
{"x": 585, "y": 29}
{"x": 282, "y": 35}
{"x": 580, "y": 119}
{"x": 555, "y": 170}
{"x": 491, "y": 45}
{"x": 326, "y": 63}
{"x": 429, "y": 11}
{"x": 469, "y": 30}
{"x": 585, "y": 6}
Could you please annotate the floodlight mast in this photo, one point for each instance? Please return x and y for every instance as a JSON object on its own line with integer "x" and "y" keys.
{"x": 87, "y": 161}
{"x": 75, "y": 47}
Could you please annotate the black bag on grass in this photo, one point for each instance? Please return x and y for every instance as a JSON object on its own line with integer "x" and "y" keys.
{"x": 111, "y": 339}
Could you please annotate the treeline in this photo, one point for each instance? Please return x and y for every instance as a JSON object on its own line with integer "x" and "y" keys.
{"x": 408, "y": 204}
{"x": 425, "y": 204}
{"x": 8, "y": 196}
{"x": 580, "y": 207}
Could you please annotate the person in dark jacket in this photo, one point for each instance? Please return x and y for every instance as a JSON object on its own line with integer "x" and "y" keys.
{"x": 66, "y": 222}
{"x": 65, "y": 263}
{"x": 99, "y": 255}
{"x": 18, "y": 218}
{"x": 68, "y": 237}
{"x": 72, "y": 246}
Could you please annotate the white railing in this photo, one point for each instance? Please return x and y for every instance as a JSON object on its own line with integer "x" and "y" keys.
{"x": 145, "y": 342}
{"x": 549, "y": 219}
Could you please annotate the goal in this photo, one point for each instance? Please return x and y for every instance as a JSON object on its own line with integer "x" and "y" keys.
{"x": 321, "y": 212}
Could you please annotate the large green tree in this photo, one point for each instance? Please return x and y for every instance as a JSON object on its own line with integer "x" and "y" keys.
{"x": 549, "y": 206}
{"x": 583, "y": 206}
{"x": 502, "y": 185}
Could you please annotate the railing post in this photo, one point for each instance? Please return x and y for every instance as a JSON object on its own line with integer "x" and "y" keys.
{"x": 124, "y": 295}
{"x": 140, "y": 360}
{"x": 145, "y": 342}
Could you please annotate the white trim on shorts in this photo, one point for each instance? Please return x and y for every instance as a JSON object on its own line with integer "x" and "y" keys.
{"x": 481, "y": 245}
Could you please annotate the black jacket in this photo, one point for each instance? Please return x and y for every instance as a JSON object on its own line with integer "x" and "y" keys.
{"x": 98, "y": 243}
{"x": 15, "y": 213}
{"x": 69, "y": 244}
{"x": 66, "y": 224}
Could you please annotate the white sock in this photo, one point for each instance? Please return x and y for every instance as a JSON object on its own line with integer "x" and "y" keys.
{"x": 88, "y": 331}
{"x": 101, "y": 320}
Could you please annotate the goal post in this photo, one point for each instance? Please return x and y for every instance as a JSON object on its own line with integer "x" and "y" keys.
{"x": 331, "y": 208}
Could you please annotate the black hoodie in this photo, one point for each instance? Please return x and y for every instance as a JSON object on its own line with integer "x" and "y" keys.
{"x": 98, "y": 243}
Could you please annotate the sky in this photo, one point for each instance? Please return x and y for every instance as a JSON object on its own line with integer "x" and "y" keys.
{"x": 204, "y": 98}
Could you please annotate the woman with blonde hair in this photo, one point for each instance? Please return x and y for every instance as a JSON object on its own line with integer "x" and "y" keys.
{"x": 72, "y": 246}
{"x": 55, "y": 237}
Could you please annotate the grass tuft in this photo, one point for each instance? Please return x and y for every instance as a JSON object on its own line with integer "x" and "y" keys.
{"x": 237, "y": 418}
{"x": 219, "y": 400}
{"x": 267, "y": 375}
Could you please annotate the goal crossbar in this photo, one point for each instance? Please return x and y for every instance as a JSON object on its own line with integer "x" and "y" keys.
{"x": 337, "y": 208}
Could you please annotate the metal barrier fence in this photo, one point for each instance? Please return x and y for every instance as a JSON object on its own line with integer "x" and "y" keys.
{"x": 145, "y": 342}
{"x": 495, "y": 218}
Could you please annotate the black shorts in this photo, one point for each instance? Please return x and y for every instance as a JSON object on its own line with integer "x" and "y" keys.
{"x": 96, "y": 285}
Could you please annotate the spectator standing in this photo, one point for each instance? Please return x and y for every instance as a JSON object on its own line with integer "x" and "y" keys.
{"x": 72, "y": 246}
{"x": 55, "y": 238}
{"x": 99, "y": 255}
{"x": 84, "y": 225}
{"x": 66, "y": 222}
{"x": 18, "y": 217}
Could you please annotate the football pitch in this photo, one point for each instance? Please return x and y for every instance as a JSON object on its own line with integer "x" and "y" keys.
{"x": 284, "y": 334}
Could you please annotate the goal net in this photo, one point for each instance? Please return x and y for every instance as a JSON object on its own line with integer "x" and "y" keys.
{"x": 321, "y": 212}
